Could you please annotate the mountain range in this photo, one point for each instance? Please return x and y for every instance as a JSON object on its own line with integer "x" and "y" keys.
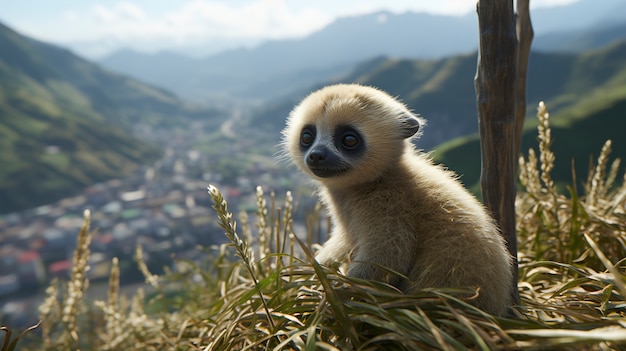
{"x": 442, "y": 90}
{"x": 66, "y": 123}
{"x": 275, "y": 68}
{"x": 587, "y": 106}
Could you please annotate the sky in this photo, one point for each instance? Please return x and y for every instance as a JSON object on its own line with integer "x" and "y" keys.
{"x": 96, "y": 27}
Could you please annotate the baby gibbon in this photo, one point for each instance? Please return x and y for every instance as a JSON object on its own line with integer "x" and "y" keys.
{"x": 390, "y": 206}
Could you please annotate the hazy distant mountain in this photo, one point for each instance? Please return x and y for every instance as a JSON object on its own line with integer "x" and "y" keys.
{"x": 579, "y": 41}
{"x": 583, "y": 25}
{"x": 145, "y": 65}
{"x": 96, "y": 48}
{"x": 279, "y": 67}
{"x": 580, "y": 15}
{"x": 65, "y": 123}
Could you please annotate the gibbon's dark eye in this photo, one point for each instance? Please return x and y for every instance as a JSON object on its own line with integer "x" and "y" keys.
{"x": 307, "y": 137}
{"x": 350, "y": 141}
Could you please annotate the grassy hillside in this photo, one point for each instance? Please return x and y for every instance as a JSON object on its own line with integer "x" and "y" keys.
{"x": 66, "y": 123}
{"x": 591, "y": 110}
{"x": 255, "y": 293}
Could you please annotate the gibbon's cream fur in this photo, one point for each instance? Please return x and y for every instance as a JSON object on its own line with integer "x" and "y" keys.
{"x": 390, "y": 206}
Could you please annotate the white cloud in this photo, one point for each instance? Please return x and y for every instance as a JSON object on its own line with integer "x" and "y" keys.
{"x": 119, "y": 12}
{"x": 261, "y": 18}
{"x": 195, "y": 19}
{"x": 548, "y": 3}
{"x": 157, "y": 24}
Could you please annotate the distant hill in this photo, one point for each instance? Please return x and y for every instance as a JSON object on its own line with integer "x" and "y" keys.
{"x": 590, "y": 109}
{"x": 66, "y": 123}
{"x": 278, "y": 67}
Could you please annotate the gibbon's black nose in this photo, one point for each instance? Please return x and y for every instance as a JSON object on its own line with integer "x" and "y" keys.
{"x": 317, "y": 156}
{"x": 324, "y": 162}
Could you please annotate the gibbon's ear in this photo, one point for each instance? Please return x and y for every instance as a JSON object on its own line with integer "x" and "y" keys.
{"x": 410, "y": 124}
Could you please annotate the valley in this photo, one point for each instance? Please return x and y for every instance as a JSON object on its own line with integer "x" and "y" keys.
{"x": 162, "y": 206}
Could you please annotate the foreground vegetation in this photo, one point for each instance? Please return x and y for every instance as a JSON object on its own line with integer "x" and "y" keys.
{"x": 264, "y": 290}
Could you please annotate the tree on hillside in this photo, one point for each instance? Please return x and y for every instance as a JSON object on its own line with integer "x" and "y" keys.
{"x": 501, "y": 100}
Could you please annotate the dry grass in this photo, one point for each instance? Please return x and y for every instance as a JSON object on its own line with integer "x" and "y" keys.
{"x": 572, "y": 252}
{"x": 264, "y": 290}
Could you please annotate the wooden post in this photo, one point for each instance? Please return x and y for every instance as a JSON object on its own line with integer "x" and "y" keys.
{"x": 498, "y": 93}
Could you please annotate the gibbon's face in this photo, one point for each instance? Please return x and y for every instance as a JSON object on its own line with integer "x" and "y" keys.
{"x": 348, "y": 133}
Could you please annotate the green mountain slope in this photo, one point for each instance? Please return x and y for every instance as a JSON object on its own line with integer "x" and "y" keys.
{"x": 440, "y": 90}
{"x": 66, "y": 123}
{"x": 443, "y": 90}
{"x": 590, "y": 109}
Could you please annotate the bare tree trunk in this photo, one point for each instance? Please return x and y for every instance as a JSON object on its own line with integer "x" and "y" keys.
{"x": 498, "y": 91}
{"x": 525, "y": 36}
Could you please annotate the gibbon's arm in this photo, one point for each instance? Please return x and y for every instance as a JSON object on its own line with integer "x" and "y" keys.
{"x": 336, "y": 249}
{"x": 376, "y": 261}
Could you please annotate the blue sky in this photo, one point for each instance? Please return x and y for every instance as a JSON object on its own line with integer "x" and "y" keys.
{"x": 90, "y": 26}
